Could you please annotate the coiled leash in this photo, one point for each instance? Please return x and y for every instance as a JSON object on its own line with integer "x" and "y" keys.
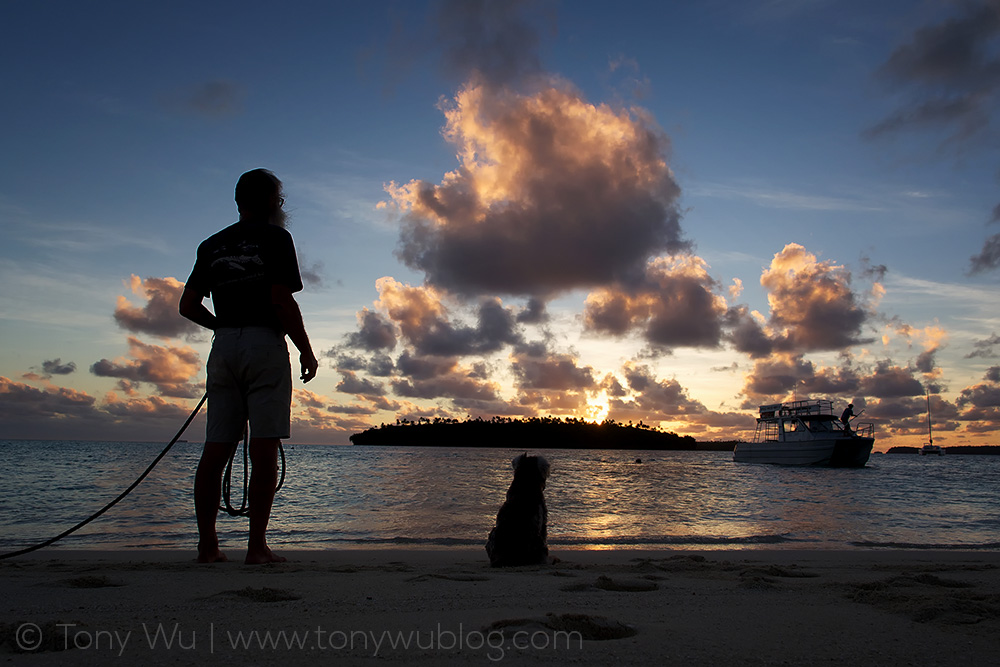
{"x": 242, "y": 511}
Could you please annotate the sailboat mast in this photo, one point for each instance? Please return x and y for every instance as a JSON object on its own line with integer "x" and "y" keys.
{"x": 930, "y": 437}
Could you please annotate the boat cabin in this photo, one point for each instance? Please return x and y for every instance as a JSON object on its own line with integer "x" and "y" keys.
{"x": 803, "y": 420}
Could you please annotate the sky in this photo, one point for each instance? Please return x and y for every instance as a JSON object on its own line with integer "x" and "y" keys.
{"x": 658, "y": 212}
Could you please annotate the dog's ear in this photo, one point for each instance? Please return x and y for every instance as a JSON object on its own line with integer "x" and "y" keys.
{"x": 543, "y": 467}
{"x": 516, "y": 461}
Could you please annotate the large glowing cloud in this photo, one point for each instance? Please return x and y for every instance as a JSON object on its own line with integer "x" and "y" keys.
{"x": 552, "y": 193}
{"x": 813, "y": 307}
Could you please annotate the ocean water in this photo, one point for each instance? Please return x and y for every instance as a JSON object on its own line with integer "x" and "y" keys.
{"x": 364, "y": 497}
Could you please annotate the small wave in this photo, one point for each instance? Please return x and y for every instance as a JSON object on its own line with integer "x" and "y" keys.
{"x": 413, "y": 541}
{"x": 665, "y": 540}
{"x": 571, "y": 541}
{"x": 915, "y": 545}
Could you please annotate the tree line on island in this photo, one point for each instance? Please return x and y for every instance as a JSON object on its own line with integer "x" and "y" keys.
{"x": 529, "y": 433}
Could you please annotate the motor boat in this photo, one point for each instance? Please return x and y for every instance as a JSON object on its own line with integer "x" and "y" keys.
{"x": 806, "y": 433}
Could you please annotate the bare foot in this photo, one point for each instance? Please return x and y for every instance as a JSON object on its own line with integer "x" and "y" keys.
{"x": 259, "y": 557}
{"x": 212, "y": 556}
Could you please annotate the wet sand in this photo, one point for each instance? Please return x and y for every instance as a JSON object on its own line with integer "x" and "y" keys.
{"x": 779, "y": 607}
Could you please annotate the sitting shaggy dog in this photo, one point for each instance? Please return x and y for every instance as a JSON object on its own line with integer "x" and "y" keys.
{"x": 519, "y": 538}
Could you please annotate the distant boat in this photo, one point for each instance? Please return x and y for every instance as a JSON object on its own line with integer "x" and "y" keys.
{"x": 806, "y": 433}
{"x": 930, "y": 447}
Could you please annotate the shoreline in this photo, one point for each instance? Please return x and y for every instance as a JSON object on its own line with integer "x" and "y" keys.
{"x": 699, "y": 607}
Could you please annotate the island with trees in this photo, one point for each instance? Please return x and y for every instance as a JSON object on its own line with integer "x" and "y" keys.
{"x": 530, "y": 433}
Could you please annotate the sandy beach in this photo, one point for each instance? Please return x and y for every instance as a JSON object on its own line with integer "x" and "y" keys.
{"x": 392, "y": 606}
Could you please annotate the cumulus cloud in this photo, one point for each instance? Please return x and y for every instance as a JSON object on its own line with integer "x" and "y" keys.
{"x": 674, "y": 304}
{"x": 309, "y": 399}
{"x": 552, "y": 193}
{"x": 21, "y": 401}
{"x": 65, "y": 413}
{"x": 812, "y": 307}
{"x": 170, "y": 369}
{"x": 352, "y": 384}
{"x": 984, "y": 396}
{"x": 420, "y": 317}
{"x": 889, "y": 381}
{"x": 145, "y": 408}
{"x": 56, "y": 367}
{"x": 747, "y": 332}
{"x": 374, "y": 332}
{"x": 452, "y": 381}
{"x": 159, "y": 316}
{"x": 777, "y": 376}
{"x": 554, "y": 372}
{"x": 812, "y": 304}
{"x": 651, "y": 400}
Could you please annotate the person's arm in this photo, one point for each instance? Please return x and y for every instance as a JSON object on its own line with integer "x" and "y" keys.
{"x": 290, "y": 318}
{"x": 192, "y": 308}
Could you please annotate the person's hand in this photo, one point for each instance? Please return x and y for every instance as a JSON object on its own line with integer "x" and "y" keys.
{"x": 309, "y": 366}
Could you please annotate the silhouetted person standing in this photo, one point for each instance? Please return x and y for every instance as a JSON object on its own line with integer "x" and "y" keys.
{"x": 250, "y": 271}
{"x": 846, "y": 416}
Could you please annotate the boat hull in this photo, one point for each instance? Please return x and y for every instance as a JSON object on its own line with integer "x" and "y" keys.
{"x": 832, "y": 453}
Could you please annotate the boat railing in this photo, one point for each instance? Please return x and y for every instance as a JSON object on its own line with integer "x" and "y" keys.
{"x": 812, "y": 406}
{"x": 865, "y": 430}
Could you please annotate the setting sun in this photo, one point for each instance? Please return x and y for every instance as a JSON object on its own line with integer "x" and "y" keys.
{"x": 598, "y": 408}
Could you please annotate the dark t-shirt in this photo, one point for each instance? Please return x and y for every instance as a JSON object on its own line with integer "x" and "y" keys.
{"x": 238, "y": 266}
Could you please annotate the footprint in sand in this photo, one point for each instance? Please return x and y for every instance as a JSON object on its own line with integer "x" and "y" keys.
{"x": 926, "y": 597}
{"x": 264, "y": 594}
{"x": 90, "y": 581}
{"x": 605, "y": 583}
{"x": 594, "y": 628}
{"x": 450, "y": 577}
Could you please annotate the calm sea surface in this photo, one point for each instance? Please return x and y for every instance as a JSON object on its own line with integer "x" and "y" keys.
{"x": 355, "y": 497}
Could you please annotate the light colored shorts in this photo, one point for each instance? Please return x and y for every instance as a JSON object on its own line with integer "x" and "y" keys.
{"x": 249, "y": 378}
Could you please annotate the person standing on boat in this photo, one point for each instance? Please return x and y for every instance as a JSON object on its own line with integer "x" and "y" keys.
{"x": 250, "y": 271}
{"x": 846, "y": 417}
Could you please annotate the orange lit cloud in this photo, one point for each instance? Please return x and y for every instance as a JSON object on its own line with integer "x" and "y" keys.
{"x": 309, "y": 399}
{"x": 65, "y": 413}
{"x": 20, "y": 401}
{"x": 552, "y": 193}
{"x": 145, "y": 408}
{"x": 159, "y": 316}
{"x": 171, "y": 369}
